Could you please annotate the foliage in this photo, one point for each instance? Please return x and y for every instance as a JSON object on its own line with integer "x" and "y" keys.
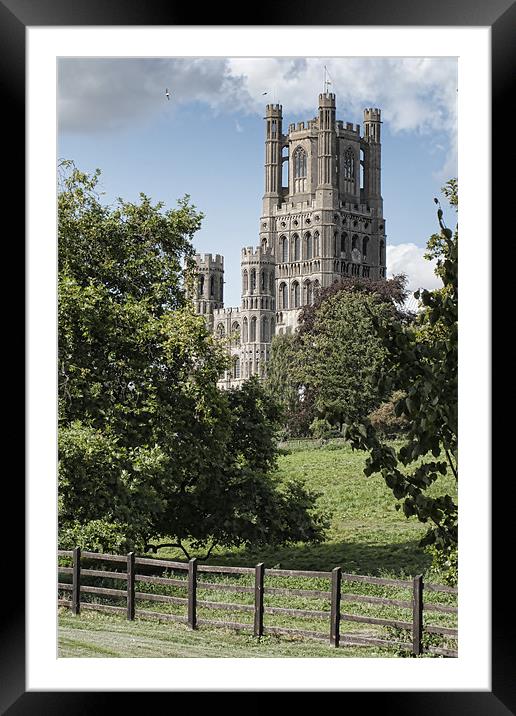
{"x": 445, "y": 565}
{"x": 421, "y": 360}
{"x": 282, "y": 385}
{"x": 384, "y": 419}
{"x": 96, "y": 536}
{"x": 321, "y": 428}
{"x": 147, "y": 442}
{"x": 341, "y": 354}
{"x": 324, "y": 371}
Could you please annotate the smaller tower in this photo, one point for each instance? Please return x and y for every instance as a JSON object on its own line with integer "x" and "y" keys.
{"x": 257, "y": 309}
{"x": 273, "y": 159}
{"x": 372, "y": 159}
{"x": 209, "y": 291}
{"x": 327, "y": 192}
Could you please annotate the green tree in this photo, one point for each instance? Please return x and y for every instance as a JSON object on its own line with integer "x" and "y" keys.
{"x": 326, "y": 370}
{"x": 148, "y": 446}
{"x": 422, "y": 362}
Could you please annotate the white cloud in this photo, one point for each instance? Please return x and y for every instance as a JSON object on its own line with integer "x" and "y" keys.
{"x": 415, "y": 94}
{"x": 409, "y": 259}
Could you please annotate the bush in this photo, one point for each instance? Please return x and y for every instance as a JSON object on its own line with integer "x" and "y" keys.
{"x": 321, "y": 428}
{"x": 97, "y": 536}
{"x": 384, "y": 419}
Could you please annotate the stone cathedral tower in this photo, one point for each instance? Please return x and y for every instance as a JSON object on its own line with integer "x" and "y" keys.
{"x": 325, "y": 224}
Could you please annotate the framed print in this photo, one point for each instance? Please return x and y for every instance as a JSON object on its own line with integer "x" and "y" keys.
{"x": 36, "y": 35}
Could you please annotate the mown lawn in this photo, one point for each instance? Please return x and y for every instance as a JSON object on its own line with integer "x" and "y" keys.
{"x": 93, "y": 634}
{"x": 367, "y": 536}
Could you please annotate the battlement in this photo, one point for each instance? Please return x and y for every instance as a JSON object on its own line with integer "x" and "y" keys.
{"x": 257, "y": 253}
{"x": 372, "y": 114}
{"x": 209, "y": 261}
{"x": 225, "y": 312}
{"x": 327, "y": 99}
{"x": 273, "y": 110}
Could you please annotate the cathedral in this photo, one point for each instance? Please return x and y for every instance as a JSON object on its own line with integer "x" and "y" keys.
{"x": 327, "y": 223}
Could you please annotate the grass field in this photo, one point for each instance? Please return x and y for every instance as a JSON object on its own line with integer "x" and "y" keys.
{"x": 367, "y": 536}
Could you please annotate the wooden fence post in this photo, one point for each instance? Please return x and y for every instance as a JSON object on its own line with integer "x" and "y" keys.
{"x": 417, "y": 615}
{"x": 336, "y": 578}
{"x": 192, "y": 593}
{"x": 76, "y": 581}
{"x": 130, "y": 586}
{"x": 259, "y": 572}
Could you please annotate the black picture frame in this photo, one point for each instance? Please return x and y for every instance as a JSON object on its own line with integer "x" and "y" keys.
{"x": 15, "y": 17}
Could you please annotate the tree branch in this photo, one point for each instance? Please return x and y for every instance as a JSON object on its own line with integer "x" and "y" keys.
{"x": 154, "y": 547}
{"x": 453, "y": 468}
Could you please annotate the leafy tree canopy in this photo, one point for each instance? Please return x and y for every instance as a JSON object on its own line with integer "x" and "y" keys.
{"x": 148, "y": 446}
{"x": 327, "y": 369}
{"x": 421, "y": 361}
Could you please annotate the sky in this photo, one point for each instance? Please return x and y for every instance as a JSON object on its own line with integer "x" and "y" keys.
{"x": 207, "y": 140}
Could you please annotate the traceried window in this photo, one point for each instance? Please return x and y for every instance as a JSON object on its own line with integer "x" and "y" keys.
{"x": 349, "y": 164}
{"x": 236, "y": 367}
{"x": 299, "y": 163}
{"x": 221, "y": 331}
{"x": 252, "y": 332}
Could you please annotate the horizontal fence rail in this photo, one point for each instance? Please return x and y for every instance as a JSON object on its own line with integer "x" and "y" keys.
{"x": 408, "y": 632}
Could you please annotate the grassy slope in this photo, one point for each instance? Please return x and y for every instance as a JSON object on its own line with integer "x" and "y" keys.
{"x": 367, "y": 536}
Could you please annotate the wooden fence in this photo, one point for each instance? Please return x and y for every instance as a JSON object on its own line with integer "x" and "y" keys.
{"x": 193, "y": 580}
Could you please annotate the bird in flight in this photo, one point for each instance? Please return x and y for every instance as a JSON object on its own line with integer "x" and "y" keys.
{"x": 167, "y": 93}
{"x": 264, "y": 93}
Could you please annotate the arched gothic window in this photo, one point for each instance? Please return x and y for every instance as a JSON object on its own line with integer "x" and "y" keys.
{"x": 221, "y": 332}
{"x": 262, "y": 282}
{"x": 252, "y": 336}
{"x": 299, "y": 163}
{"x": 245, "y": 331}
{"x": 354, "y": 242}
{"x": 295, "y": 295}
{"x": 308, "y": 246}
{"x": 200, "y": 286}
{"x": 284, "y": 248}
{"x": 235, "y": 329}
{"x": 343, "y": 243}
{"x": 316, "y": 243}
{"x": 308, "y": 293}
{"x": 382, "y": 252}
{"x": 253, "y": 279}
{"x": 283, "y": 296}
{"x": 212, "y": 286}
{"x": 365, "y": 242}
{"x": 236, "y": 367}
{"x": 296, "y": 254}
{"x": 264, "y": 337}
{"x": 349, "y": 164}
{"x": 246, "y": 280}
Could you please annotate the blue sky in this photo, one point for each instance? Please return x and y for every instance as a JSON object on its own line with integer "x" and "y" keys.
{"x": 207, "y": 140}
